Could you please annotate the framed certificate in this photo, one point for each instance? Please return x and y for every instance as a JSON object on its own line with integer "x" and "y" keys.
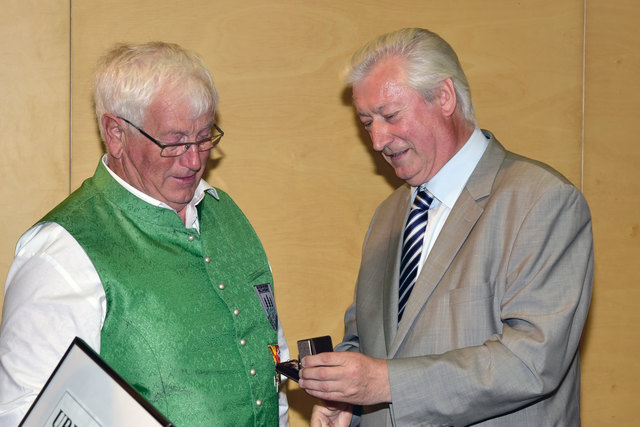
{"x": 84, "y": 391}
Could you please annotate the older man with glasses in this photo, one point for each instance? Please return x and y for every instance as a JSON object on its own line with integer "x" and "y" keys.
{"x": 159, "y": 272}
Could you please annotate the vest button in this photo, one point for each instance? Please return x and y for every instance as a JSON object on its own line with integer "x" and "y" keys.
{"x": 191, "y": 238}
{"x": 221, "y": 286}
{"x": 236, "y": 312}
{"x": 252, "y": 372}
{"x": 259, "y": 402}
{"x": 207, "y": 259}
{"x": 243, "y": 342}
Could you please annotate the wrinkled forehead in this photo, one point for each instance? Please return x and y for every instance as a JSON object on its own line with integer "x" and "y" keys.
{"x": 386, "y": 74}
{"x": 374, "y": 96}
{"x": 192, "y": 99}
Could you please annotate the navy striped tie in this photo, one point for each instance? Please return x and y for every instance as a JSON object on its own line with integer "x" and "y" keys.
{"x": 412, "y": 247}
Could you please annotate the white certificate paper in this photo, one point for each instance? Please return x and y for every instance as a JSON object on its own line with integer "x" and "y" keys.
{"x": 84, "y": 391}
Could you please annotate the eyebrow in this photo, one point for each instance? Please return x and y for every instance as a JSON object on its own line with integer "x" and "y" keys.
{"x": 377, "y": 110}
{"x": 182, "y": 132}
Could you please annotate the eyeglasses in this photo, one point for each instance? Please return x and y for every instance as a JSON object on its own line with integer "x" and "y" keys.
{"x": 178, "y": 149}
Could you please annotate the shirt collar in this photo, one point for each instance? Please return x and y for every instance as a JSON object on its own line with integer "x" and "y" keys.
{"x": 191, "y": 214}
{"x": 448, "y": 183}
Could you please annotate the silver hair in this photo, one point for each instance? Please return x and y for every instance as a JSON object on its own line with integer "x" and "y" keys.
{"x": 128, "y": 77}
{"x": 428, "y": 61}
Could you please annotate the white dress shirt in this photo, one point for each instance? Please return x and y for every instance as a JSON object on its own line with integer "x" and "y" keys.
{"x": 53, "y": 293}
{"x": 446, "y": 186}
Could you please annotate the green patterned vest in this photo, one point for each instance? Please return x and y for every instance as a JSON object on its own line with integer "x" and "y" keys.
{"x": 184, "y": 325}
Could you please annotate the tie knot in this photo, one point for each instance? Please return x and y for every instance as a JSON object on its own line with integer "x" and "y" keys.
{"x": 422, "y": 200}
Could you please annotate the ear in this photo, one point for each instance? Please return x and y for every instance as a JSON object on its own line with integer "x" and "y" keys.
{"x": 447, "y": 97}
{"x": 113, "y": 135}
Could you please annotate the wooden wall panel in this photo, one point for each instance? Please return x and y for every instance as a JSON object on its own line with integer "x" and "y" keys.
{"x": 611, "y": 376}
{"x": 34, "y": 116}
{"x": 295, "y": 160}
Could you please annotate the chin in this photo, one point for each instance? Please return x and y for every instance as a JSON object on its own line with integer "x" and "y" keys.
{"x": 405, "y": 177}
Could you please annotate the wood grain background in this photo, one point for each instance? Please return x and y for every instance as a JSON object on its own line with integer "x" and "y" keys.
{"x": 553, "y": 79}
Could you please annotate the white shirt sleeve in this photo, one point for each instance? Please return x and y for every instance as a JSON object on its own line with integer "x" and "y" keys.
{"x": 52, "y": 294}
{"x": 283, "y": 404}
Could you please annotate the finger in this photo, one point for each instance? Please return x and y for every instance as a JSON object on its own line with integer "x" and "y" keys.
{"x": 334, "y": 396}
{"x": 322, "y": 359}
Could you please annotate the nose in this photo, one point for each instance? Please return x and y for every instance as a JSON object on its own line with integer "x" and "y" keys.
{"x": 191, "y": 158}
{"x": 380, "y": 136}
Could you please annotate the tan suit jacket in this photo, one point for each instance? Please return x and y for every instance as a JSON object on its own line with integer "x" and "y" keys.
{"x": 490, "y": 333}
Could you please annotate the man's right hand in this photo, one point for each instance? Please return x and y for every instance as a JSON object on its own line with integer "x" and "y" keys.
{"x": 331, "y": 414}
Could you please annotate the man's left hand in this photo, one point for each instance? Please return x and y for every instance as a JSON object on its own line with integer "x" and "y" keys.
{"x": 346, "y": 377}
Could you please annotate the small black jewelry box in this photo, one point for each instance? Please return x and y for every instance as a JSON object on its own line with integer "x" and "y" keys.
{"x": 291, "y": 368}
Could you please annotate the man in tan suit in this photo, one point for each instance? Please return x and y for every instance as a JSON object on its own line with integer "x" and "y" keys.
{"x": 484, "y": 328}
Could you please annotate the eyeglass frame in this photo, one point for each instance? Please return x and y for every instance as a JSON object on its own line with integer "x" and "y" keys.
{"x": 215, "y": 140}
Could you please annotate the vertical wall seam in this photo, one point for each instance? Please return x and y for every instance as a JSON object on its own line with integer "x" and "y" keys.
{"x": 584, "y": 85}
{"x": 70, "y": 98}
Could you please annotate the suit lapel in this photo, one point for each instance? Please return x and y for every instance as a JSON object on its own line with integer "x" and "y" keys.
{"x": 455, "y": 231}
{"x": 390, "y": 297}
